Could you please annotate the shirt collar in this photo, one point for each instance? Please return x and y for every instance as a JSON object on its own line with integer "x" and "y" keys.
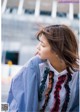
{"x": 55, "y": 71}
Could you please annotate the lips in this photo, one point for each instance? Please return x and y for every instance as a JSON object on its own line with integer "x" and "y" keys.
{"x": 38, "y": 53}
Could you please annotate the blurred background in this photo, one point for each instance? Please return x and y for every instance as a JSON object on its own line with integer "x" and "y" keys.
{"x": 20, "y": 21}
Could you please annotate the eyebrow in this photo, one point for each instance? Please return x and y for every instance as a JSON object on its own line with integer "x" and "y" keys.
{"x": 42, "y": 42}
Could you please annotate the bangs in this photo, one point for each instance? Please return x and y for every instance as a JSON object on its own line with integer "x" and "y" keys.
{"x": 45, "y": 31}
{"x": 39, "y": 34}
{"x": 51, "y": 33}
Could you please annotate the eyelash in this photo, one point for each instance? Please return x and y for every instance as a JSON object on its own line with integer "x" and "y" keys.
{"x": 42, "y": 45}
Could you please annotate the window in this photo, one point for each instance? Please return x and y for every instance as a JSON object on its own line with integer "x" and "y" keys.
{"x": 28, "y": 11}
{"x": 10, "y": 56}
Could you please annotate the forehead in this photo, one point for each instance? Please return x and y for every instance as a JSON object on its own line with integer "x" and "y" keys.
{"x": 43, "y": 38}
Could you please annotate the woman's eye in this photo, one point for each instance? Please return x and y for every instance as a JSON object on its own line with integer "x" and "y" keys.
{"x": 42, "y": 45}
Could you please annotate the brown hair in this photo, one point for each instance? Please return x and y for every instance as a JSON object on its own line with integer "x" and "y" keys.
{"x": 63, "y": 41}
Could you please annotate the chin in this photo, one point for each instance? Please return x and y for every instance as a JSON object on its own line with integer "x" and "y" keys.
{"x": 43, "y": 58}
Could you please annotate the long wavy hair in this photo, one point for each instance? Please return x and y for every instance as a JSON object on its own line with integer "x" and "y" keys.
{"x": 63, "y": 41}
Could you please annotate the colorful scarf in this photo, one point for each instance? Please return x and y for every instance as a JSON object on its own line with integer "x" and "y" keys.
{"x": 61, "y": 80}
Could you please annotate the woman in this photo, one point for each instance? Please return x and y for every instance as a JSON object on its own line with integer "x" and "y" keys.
{"x": 49, "y": 82}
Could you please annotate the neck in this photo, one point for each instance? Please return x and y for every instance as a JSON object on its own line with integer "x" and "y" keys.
{"x": 59, "y": 65}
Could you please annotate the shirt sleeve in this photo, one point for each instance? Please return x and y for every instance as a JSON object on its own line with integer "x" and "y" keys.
{"x": 75, "y": 105}
{"x": 23, "y": 94}
{"x": 12, "y": 102}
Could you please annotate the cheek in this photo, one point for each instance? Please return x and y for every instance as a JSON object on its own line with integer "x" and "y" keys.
{"x": 46, "y": 51}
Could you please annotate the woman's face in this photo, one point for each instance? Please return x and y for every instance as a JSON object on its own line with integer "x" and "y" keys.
{"x": 43, "y": 48}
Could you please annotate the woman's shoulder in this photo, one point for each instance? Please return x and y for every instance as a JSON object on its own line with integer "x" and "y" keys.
{"x": 31, "y": 66}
